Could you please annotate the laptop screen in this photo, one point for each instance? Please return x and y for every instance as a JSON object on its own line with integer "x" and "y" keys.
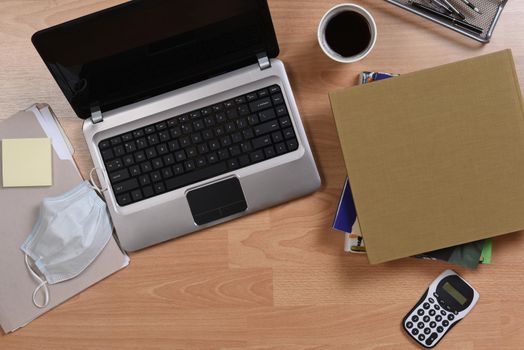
{"x": 144, "y": 48}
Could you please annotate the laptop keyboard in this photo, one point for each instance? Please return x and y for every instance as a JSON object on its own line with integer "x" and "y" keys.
{"x": 199, "y": 145}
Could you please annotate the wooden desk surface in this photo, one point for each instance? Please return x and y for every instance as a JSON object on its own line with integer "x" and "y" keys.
{"x": 278, "y": 279}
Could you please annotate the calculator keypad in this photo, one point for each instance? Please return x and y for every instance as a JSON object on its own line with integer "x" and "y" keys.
{"x": 428, "y": 322}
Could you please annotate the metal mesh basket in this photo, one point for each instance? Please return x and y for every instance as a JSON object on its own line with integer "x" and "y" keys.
{"x": 491, "y": 11}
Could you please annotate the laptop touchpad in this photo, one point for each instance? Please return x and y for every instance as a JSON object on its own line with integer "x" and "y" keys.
{"x": 216, "y": 201}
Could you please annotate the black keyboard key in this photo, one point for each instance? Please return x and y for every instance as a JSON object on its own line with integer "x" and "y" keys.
{"x": 169, "y": 160}
{"x": 261, "y": 141}
{"x": 220, "y": 118}
{"x": 153, "y": 139}
{"x": 167, "y": 173}
{"x": 266, "y": 128}
{"x": 242, "y": 123}
{"x": 141, "y": 143}
{"x": 206, "y": 111}
{"x": 173, "y": 145}
{"x": 183, "y": 119}
{"x": 196, "y": 176}
{"x": 225, "y": 141}
{"x": 140, "y": 156}
{"x": 277, "y": 137}
{"x": 144, "y": 180}
{"x": 277, "y": 99}
{"x": 125, "y": 186}
{"x": 107, "y": 154}
{"x": 248, "y": 134}
{"x": 138, "y": 133}
{"x": 149, "y": 129}
{"x": 191, "y": 152}
{"x": 151, "y": 153}
{"x": 202, "y": 148}
{"x": 130, "y": 146}
{"x": 274, "y": 89}
{"x": 113, "y": 165}
{"x": 251, "y": 97}
{"x": 180, "y": 156}
{"x": 196, "y": 114}
{"x": 223, "y": 154}
{"x": 235, "y": 150}
{"x": 136, "y": 195}
{"x": 253, "y": 119}
{"x": 119, "y": 175}
{"x": 162, "y": 149}
{"x": 161, "y": 126}
{"x": 246, "y": 146}
{"x": 266, "y": 115}
{"x": 164, "y": 136}
{"x": 119, "y": 151}
{"x": 146, "y": 167}
{"x": 127, "y": 137}
{"x": 116, "y": 141}
{"x": 196, "y": 138}
{"x": 134, "y": 170}
{"x": 207, "y": 135}
{"x": 148, "y": 191}
{"x": 189, "y": 165}
{"x": 292, "y": 145}
{"x": 199, "y": 124}
{"x": 128, "y": 160}
{"x": 212, "y": 158}
{"x": 236, "y": 137}
{"x": 281, "y": 148}
{"x": 186, "y": 128}
{"x": 178, "y": 169}
{"x": 214, "y": 145}
{"x": 232, "y": 164}
{"x": 257, "y": 156}
{"x": 289, "y": 133}
{"x": 240, "y": 100}
{"x": 263, "y": 93}
{"x": 243, "y": 110}
{"x": 259, "y": 105}
{"x": 156, "y": 176}
{"x": 175, "y": 132}
{"x": 172, "y": 122}
{"x": 159, "y": 188}
{"x": 285, "y": 122}
{"x": 157, "y": 163}
{"x": 232, "y": 114}
{"x": 281, "y": 110}
{"x": 269, "y": 152}
{"x": 104, "y": 144}
{"x": 124, "y": 199}
{"x": 218, "y": 108}
{"x": 200, "y": 162}
{"x": 229, "y": 104}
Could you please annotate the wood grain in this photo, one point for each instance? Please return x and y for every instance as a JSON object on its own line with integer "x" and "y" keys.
{"x": 277, "y": 279}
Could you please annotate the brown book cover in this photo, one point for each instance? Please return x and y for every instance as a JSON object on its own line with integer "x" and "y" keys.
{"x": 435, "y": 157}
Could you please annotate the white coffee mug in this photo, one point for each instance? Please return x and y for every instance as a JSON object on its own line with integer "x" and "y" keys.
{"x": 334, "y": 12}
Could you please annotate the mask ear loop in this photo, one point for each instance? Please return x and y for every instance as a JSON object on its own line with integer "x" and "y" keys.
{"x": 93, "y": 183}
{"x": 43, "y": 284}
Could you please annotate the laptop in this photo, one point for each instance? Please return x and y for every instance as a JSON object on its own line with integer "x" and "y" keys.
{"x": 189, "y": 117}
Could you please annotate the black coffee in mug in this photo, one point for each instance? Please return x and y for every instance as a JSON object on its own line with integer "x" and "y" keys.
{"x": 348, "y": 33}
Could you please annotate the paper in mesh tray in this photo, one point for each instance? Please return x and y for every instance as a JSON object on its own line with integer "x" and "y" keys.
{"x": 491, "y": 11}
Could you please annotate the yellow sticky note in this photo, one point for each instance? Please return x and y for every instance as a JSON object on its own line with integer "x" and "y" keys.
{"x": 27, "y": 162}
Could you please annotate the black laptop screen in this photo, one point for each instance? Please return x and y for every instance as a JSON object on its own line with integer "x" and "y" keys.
{"x": 144, "y": 48}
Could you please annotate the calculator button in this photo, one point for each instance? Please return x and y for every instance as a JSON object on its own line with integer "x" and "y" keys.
{"x": 451, "y": 317}
{"x": 445, "y": 323}
{"x": 409, "y": 325}
{"x": 431, "y": 300}
{"x": 432, "y": 312}
{"x": 427, "y": 330}
{"x": 438, "y": 318}
{"x": 420, "y": 312}
{"x": 414, "y": 331}
{"x": 436, "y": 307}
{"x": 443, "y": 313}
{"x": 420, "y": 325}
{"x": 440, "y": 329}
{"x": 421, "y": 337}
{"x": 433, "y": 324}
{"x": 426, "y": 319}
{"x": 425, "y": 306}
{"x": 431, "y": 339}
{"x": 414, "y": 318}
{"x": 435, "y": 295}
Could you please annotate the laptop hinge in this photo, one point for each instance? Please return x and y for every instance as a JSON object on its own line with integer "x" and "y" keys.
{"x": 96, "y": 115}
{"x": 263, "y": 61}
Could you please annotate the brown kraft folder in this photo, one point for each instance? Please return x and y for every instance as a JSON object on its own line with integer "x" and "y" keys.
{"x": 436, "y": 157}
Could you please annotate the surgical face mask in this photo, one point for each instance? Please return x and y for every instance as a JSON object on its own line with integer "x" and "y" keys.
{"x": 70, "y": 232}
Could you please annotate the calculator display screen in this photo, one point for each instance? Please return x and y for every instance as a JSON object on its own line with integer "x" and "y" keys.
{"x": 454, "y": 293}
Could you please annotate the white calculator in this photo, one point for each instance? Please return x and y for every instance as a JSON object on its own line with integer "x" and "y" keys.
{"x": 447, "y": 300}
